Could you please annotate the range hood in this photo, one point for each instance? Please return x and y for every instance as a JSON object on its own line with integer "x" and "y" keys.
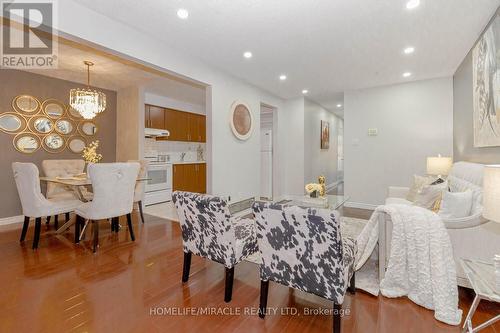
{"x": 155, "y": 133}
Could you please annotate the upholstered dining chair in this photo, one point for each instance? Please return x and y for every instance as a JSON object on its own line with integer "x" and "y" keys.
{"x": 113, "y": 186}
{"x": 209, "y": 231}
{"x": 33, "y": 203}
{"x": 140, "y": 186}
{"x": 63, "y": 168}
{"x": 302, "y": 248}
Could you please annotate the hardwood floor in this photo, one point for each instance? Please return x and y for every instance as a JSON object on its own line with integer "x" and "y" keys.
{"x": 130, "y": 286}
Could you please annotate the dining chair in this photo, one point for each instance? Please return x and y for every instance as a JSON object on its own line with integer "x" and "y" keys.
{"x": 140, "y": 186}
{"x": 63, "y": 168}
{"x": 209, "y": 231}
{"x": 33, "y": 203}
{"x": 113, "y": 186}
{"x": 302, "y": 248}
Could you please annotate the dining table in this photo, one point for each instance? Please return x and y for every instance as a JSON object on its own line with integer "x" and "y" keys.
{"x": 76, "y": 184}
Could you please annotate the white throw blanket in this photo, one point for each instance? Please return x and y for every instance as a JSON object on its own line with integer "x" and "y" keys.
{"x": 421, "y": 263}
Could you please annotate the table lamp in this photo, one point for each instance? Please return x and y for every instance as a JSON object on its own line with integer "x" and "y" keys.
{"x": 439, "y": 166}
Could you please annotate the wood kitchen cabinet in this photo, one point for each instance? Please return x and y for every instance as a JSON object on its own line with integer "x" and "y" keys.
{"x": 177, "y": 123}
{"x": 190, "y": 177}
{"x": 155, "y": 117}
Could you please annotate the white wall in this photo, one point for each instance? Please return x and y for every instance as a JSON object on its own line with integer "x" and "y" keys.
{"x": 172, "y": 103}
{"x": 319, "y": 161}
{"x": 233, "y": 166}
{"x": 414, "y": 120}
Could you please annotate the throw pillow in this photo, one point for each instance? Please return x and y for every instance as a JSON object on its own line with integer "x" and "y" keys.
{"x": 418, "y": 183}
{"x": 429, "y": 194}
{"x": 456, "y": 204}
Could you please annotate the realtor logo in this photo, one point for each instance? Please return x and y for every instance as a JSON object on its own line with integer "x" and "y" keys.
{"x": 29, "y": 40}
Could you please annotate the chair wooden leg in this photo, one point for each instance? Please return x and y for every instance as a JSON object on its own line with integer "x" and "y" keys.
{"x": 38, "y": 227}
{"x": 78, "y": 225}
{"x": 25, "y": 228}
{"x": 352, "y": 284}
{"x": 264, "y": 290}
{"x": 228, "y": 293}
{"x": 48, "y": 220}
{"x": 66, "y": 216}
{"x": 337, "y": 309}
{"x": 140, "y": 211}
{"x": 129, "y": 222}
{"x": 186, "y": 267}
{"x": 95, "y": 227}
{"x": 56, "y": 222}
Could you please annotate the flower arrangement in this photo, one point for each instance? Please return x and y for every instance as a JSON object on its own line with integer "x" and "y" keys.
{"x": 90, "y": 154}
{"x": 313, "y": 189}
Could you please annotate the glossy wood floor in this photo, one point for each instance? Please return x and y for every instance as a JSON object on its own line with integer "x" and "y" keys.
{"x": 129, "y": 287}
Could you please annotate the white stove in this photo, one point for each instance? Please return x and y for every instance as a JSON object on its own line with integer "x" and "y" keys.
{"x": 159, "y": 186}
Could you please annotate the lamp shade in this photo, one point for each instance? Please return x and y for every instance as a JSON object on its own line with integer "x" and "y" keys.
{"x": 439, "y": 166}
{"x": 491, "y": 193}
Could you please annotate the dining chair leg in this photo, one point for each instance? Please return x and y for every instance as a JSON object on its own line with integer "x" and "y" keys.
{"x": 337, "y": 309}
{"x": 25, "y": 228}
{"x": 48, "y": 220}
{"x": 228, "y": 293}
{"x": 56, "y": 221}
{"x": 264, "y": 290}
{"x": 66, "y": 216}
{"x": 95, "y": 227}
{"x": 117, "y": 224}
{"x": 140, "y": 211}
{"x": 352, "y": 284}
{"x": 38, "y": 227}
{"x": 78, "y": 223}
{"x": 186, "y": 267}
{"x": 130, "y": 230}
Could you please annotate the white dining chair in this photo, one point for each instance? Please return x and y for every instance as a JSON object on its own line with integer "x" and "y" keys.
{"x": 113, "y": 185}
{"x": 140, "y": 186}
{"x": 33, "y": 203}
{"x": 63, "y": 168}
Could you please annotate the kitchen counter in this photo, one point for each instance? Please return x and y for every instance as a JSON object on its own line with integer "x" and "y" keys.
{"x": 188, "y": 162}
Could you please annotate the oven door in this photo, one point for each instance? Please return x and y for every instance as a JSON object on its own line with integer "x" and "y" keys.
{"x": 159, "y": 177}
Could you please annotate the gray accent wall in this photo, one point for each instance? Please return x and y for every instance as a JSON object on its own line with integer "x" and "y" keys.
{"x": 15, "y": 82}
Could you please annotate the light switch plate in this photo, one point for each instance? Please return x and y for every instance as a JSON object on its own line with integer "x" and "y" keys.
{"x": 372, "y": 132}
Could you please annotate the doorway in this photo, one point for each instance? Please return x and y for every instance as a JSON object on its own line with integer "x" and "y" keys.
{"x": 266, "y": 151}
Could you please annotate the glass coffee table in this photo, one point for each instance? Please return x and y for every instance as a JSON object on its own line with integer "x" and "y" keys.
{"x": 481, "y": 276}
{"x": 330, "y": 201}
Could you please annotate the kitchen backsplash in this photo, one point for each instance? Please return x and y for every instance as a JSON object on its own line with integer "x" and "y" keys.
{"x": 174, "y": 149}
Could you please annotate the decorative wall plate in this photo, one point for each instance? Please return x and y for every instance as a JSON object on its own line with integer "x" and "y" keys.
{"x": 241, "y": 120}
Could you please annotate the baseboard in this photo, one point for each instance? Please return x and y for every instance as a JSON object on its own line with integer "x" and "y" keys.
{"x": 11, "y": 220}
{"x": 360, "y": 205}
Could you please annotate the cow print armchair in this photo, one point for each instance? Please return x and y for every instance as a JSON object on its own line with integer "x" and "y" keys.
{"x": 302, "y": 248}
{"x": 209, "y": 231}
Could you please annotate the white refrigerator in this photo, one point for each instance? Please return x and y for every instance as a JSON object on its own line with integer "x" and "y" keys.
{"x": 266, "y": 163}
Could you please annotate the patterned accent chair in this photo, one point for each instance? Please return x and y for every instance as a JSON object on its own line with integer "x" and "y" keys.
{"x": 209, "y": 231}
{"x": 302, "y": 248}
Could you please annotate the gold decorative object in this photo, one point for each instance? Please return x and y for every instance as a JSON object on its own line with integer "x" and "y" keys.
{"x": 313, "y": 189}
{"x": 90, "y": 154}
{"x": 86, "y": 101}
{"x": 322, "y": 183}
{"x": 50, "y": 128}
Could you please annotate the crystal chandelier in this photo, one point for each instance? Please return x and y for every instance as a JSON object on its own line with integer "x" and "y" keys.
{"x": 86, "y": 101}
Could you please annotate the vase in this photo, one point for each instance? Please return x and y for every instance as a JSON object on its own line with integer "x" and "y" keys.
{"x": 313, "y": 194}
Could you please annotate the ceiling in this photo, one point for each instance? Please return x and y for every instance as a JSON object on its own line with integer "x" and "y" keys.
{"x": 114, "y": 73}
{"x": 325, "y": 46}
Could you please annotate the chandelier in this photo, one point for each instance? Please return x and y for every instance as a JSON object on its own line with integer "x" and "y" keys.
{"x": 86, "y": 101}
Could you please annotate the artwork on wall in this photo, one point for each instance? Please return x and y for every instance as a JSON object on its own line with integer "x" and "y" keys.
{"x": 50, "y": 125}
{"x": 325, "y": 135}
{"x": 241, "y": 120}
{"x": 486, "y": 87}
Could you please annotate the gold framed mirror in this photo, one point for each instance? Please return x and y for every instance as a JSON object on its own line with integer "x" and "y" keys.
{"x": 76, "y": 144}
{"x": 53, "y": 143}
{"x": 26, "y": 104}
{"x": 12, "y": 123}
{"x": 74, "y": 114}
{"x": 64, "y": 126}
{"x": 42, "y": 125}
{"x": 26, "y": 143}
{"x": 88, "y": 128}
{"x": 53, "y": 108}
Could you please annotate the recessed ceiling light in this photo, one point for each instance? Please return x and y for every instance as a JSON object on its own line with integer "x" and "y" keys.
{"x": 412, "y": 4}
{"x": 409, "y": 50}
{"x": 282, "y": 77}
{"x": 305, "y": 91}
{"x": 406, "y": 74}
{"x": 339, "y": 105}
{"x": 247, "y": 54}
{"x": 183, "y": 13}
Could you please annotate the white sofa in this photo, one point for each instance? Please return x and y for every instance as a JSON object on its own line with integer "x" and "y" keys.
{"x": 471, "y": 237}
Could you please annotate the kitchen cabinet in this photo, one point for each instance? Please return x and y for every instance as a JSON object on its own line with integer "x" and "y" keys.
{"x": 177, "y": 123}
{"x": 155, "y": 117}
{"x": 190, "y": 177}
